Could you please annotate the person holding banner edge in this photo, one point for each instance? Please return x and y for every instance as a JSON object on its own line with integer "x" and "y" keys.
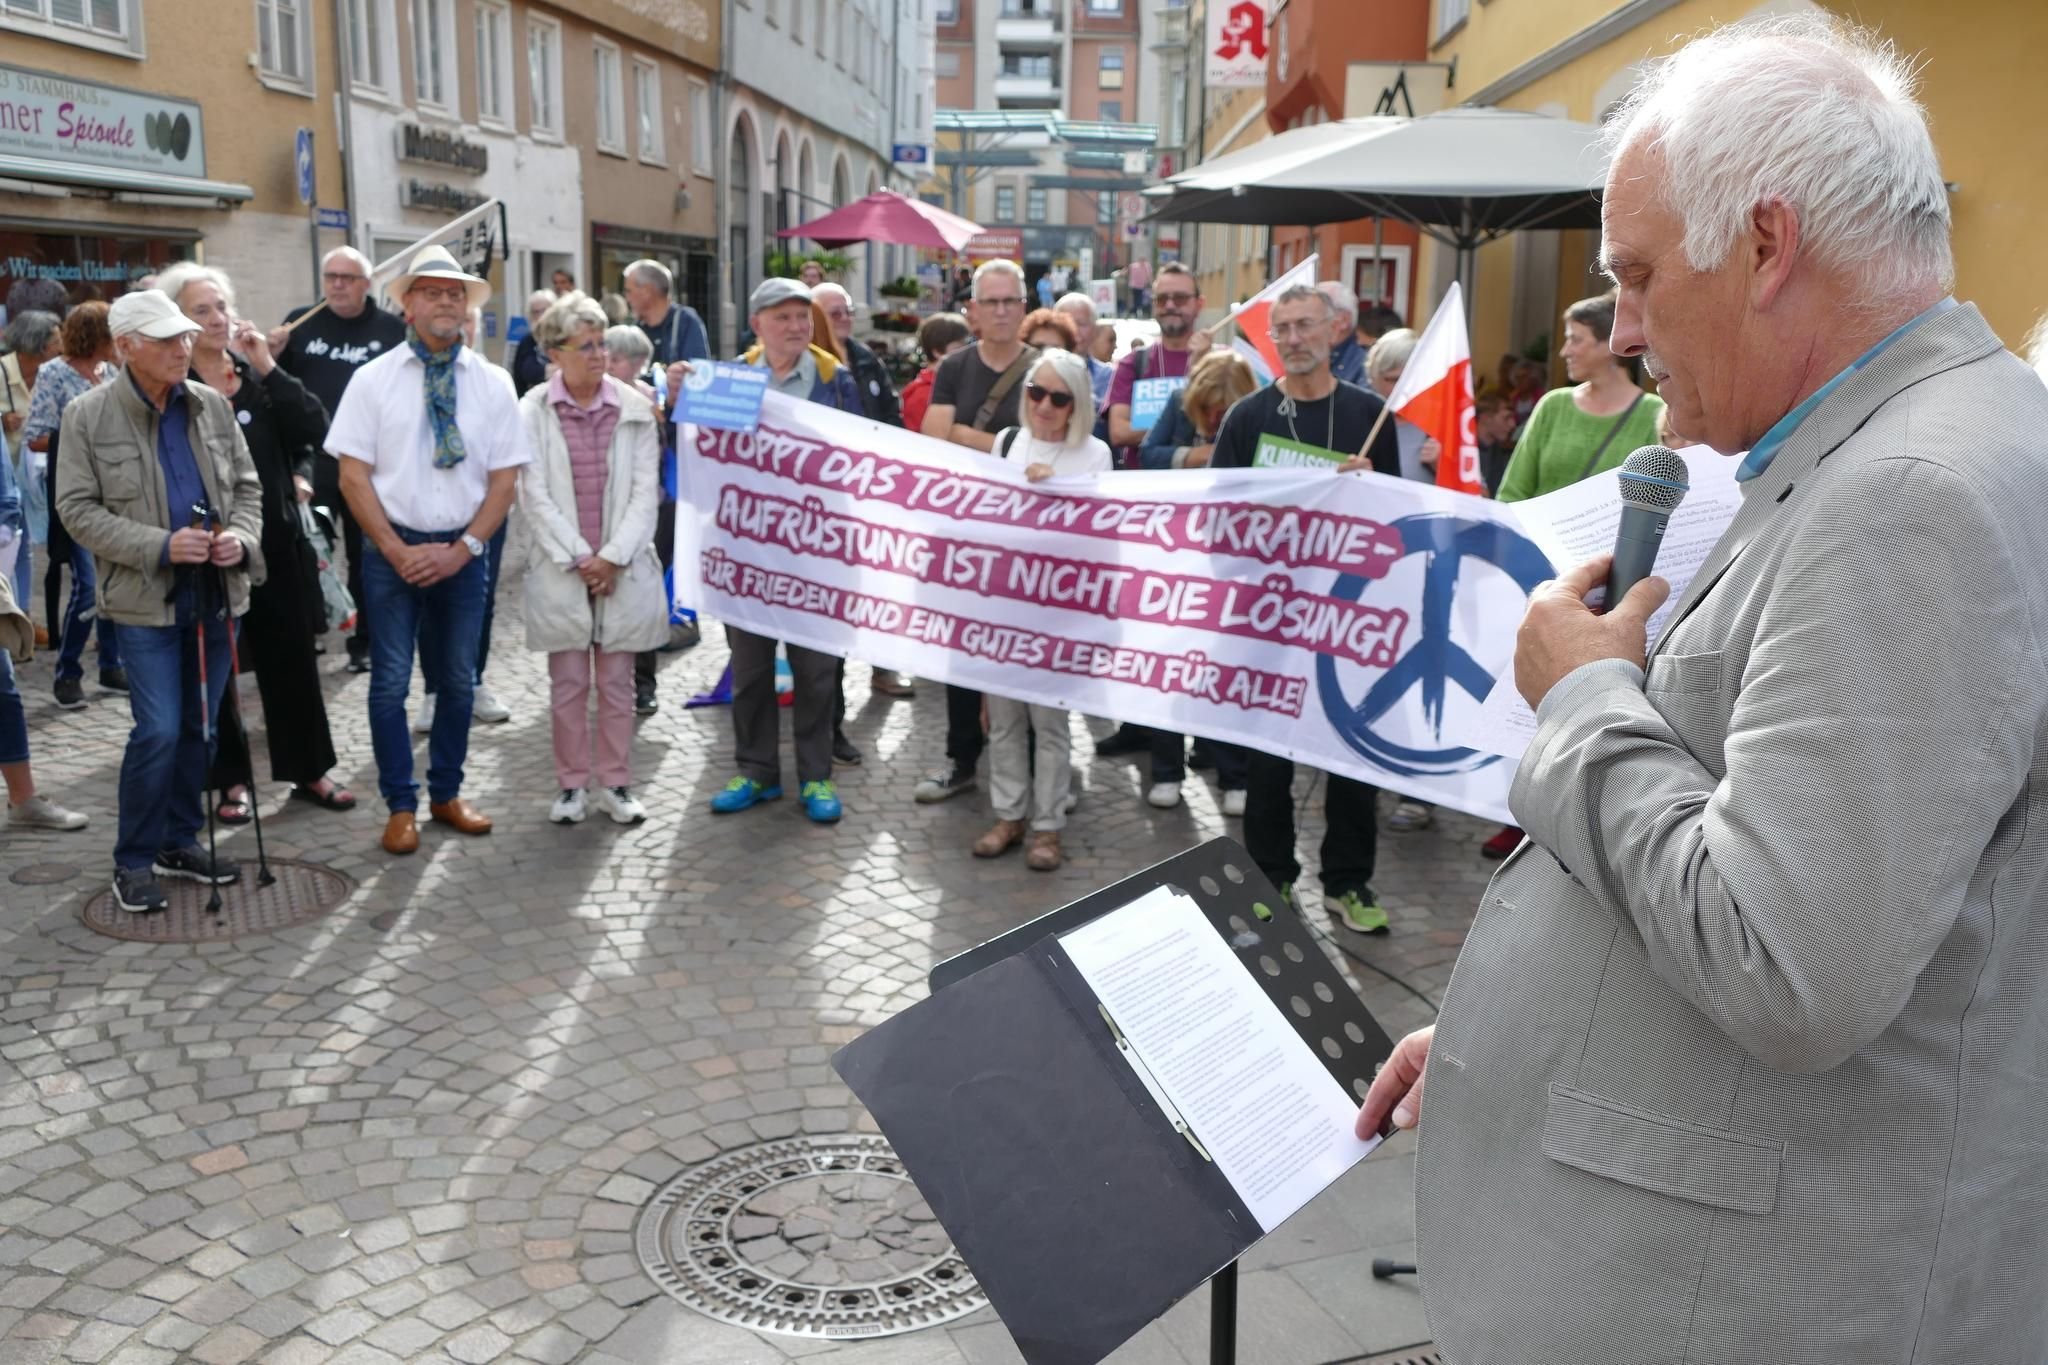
{"x": 1309, "y": 415}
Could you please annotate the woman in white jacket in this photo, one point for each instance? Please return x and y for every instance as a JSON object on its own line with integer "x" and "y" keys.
{"x": 594, "y": 596}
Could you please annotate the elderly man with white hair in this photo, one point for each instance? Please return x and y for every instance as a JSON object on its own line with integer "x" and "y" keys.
{"x": 1080, "y": 310}
{"x": 1347, "y": 357}
{"x": 1741, "y": 1058}
{"x": 877, "y": 395}
{"x": 322, "y": 346}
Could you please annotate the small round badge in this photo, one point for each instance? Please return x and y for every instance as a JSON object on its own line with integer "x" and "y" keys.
{"x": 245, "y": 417}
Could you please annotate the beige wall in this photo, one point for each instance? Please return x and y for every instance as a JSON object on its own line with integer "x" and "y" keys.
{"x": 1980, "y": 83}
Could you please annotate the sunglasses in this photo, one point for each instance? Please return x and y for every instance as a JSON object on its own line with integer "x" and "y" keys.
{"x": 1040, "y": 394}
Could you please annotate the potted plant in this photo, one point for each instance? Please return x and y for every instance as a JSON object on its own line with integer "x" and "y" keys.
{"x": 902, "y": 287}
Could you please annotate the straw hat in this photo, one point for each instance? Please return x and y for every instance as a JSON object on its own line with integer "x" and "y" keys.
{"x": 435, "y": 263}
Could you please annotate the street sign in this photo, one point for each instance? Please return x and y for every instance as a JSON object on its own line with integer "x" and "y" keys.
{"x": 1131, "y": 207}
{"x": 910, "y": 154}
{"x": 302, "y": 154}
{"x": 334, "y": 218}
{"x": 1133, "y": 229}
{"x": 1134, "y": 162}
{"x": 1086, "y": 269}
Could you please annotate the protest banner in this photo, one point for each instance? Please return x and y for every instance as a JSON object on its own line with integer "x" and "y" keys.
{"x": 1339, "y": 620}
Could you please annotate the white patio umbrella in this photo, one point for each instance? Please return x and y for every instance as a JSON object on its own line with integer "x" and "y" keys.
{"x": 1463, "y": 176}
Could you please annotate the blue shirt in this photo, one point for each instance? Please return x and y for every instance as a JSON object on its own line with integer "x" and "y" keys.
{"x": 1347, "y": 361}
{"x": 182, "y": 484}
{"x": 1765, "y": 450}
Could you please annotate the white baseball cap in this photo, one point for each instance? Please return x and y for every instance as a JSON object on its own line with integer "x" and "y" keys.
{"x": 149, "y": 312}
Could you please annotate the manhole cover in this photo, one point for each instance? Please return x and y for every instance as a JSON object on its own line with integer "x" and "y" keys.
{"x": 301, "y": 893}
{"x": 807, "y": 1237}
{"x": 43, "y": 874}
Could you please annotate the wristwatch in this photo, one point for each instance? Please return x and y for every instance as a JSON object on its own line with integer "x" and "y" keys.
{"x": 473, "y": 545}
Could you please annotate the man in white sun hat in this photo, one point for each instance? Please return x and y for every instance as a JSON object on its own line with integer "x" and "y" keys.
{"x": 430, "y": 445}
{"x": 154, "y": 479}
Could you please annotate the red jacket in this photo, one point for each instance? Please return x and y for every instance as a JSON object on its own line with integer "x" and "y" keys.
{"x": 917, "y": 397}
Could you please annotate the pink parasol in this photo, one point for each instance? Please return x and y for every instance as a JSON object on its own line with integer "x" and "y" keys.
{"x": 886, "y": 216}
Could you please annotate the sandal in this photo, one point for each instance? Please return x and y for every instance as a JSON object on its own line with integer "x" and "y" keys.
{"x": 234, "y": 810}
{"x": 336, "y": 797}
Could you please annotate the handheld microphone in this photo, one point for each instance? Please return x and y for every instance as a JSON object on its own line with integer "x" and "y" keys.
{"x": 1653, "y": 483}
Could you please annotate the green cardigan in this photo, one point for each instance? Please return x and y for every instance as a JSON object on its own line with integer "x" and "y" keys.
{"x": 1560, "y": 438}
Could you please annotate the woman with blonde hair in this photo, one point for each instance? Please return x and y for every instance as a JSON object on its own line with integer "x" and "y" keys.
{"x": 1030, "y": 752}
{"x": 1186, "y": 430}
{"x": 594, "y": 596}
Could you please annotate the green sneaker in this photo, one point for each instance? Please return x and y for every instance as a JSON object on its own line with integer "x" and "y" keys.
{"x": 1360, "y": 911}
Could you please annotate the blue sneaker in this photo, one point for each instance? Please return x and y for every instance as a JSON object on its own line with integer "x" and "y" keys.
{"x": 821, "y": 801}
{"x": 742, "y": 792}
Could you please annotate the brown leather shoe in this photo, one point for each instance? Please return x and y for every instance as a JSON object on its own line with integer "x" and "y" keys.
{"x": 1005, "y": 835}
{"x": 460, "y": 816}
{"x": 401, "y": 833}
{"x": 1044, "y": 854}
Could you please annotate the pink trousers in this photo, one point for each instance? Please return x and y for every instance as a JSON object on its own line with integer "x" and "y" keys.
{"x": 569, "y": 673}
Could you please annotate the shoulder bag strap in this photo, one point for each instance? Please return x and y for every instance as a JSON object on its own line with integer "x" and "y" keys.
{"x": 1593, "y": 461}
{"x": 1007, "y": 382}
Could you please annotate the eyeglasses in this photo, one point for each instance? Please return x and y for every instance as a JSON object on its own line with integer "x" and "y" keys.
{"x": 588, "y": 348}
{"x": 1298, "y": 329}
{"x": 336, "y": 277}
{"x": 451, "y": 294}
{"x": 1037, "y": 393}
{"x": 1174, "y": 300}
{"x": 1014, "y": 301}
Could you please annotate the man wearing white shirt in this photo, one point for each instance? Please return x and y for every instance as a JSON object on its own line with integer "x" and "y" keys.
{"x": 430, "y": 445}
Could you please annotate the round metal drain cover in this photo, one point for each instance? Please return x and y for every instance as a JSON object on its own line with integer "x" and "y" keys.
{"x": 806, "y": 1237}
{"x": 302, "y": 892}
{"x": 43, "y": 874}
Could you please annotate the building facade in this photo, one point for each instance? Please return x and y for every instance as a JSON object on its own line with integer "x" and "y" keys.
{"x": 131, "y": 140}
{"x": 1578, "y": 58}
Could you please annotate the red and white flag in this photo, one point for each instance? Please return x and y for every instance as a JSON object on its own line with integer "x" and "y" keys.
{"x": 1435, "y": 393}
{"x": 1254, "y": 319}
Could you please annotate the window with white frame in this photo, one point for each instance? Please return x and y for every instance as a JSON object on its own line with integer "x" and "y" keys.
{"x": 369, "y": 45}
{"x": 1109, "y": 68}
{"x": 111, "y": 25}
{"x": 647, "y": 110}
{"x": 283, "y": 42}
{"x": 1105, "y": 6}
{"x": 948, "y": 11}
{"x": 700, "y": 127}
{"x": 493, "y": 62}
{"x": 1450, "y": 14}
{"x": 1034, "y": 205}
{"x": 433, "y": 52}
{"x": 611, "y": 98}
{"x": 946, "y": 63}
{"x": 1006, "y": 203}
{"x": 544, "y": 76}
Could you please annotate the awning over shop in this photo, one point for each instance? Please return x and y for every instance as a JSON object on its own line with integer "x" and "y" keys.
{"x": 41, "y": 171}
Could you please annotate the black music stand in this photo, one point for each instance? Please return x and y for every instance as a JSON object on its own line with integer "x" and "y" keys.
{"x": 959, "y": 1081}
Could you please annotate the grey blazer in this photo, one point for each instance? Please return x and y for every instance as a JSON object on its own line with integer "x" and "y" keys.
{"x": 1746, "y": 1056}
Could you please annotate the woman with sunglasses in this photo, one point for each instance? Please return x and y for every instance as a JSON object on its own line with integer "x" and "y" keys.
{"x": 1030, "y": 763}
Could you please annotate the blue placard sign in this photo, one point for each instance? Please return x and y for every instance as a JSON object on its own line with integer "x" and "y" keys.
{"x": 722, "y": 395}
{"x": 302, "y": 163}
{"x": 334, "y": 218}
{"x": 1148, "y": 400}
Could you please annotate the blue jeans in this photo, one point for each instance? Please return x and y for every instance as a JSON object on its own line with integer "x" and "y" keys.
{"x": 81, "y": 617}
{"x": 494, "y": 555}
{"x": 164, "y": 770}
{"x": 450, "y": 614}
{"x": 13, "y": 720}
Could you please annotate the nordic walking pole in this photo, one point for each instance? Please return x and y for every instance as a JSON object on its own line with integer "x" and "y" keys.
{"x": 199, "y": 523}
{"x": 264, "y": 877}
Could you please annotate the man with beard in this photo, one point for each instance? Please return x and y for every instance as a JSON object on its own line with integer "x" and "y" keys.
{"x": 1176, "y": 304}
{"x": 1309, "y": 413}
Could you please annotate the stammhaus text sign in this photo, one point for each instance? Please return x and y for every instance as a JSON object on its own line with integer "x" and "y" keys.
{"x": 432, "y": 147}
{"x": 62, "y": 119}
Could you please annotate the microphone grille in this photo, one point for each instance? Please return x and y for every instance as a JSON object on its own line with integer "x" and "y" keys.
{"x": 1655, "y": 477}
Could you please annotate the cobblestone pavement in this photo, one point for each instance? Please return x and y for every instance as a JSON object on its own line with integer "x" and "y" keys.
{"x": 421, "y": 1129}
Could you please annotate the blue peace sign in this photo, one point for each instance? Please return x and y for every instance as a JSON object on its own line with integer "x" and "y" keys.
{"x": 1435, "y": 660}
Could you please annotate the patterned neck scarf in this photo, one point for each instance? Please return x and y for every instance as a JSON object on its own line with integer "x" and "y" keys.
{"x": 448, "y": 451}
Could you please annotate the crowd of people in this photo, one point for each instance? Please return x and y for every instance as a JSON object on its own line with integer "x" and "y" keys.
{"x": 192, "y": 473}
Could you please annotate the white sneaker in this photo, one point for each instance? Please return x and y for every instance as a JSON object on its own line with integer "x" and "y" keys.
{"x": 1233, "y": 802}
{"x": 486, "y": 709}
{"x": 620, "y": 803}
{"x": 1165, "y": 795}
{"x": 40, "y": 812}
{"x": 568, "y": 808}
{"x": 423, "y": 724}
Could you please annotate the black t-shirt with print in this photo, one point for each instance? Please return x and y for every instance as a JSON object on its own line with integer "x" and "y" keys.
{"x": 325, "y": 351}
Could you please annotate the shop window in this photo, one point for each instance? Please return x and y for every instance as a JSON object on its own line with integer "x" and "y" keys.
{"x": 611, "y": 99}
{"x": 544, "y": 76}
{"x": 433, "y": 53}
{"x": 647, "y": 108}
{"x": 283, "y": 44}
{"x": 110, "y": 25}
{"x": 493, "y": 62}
